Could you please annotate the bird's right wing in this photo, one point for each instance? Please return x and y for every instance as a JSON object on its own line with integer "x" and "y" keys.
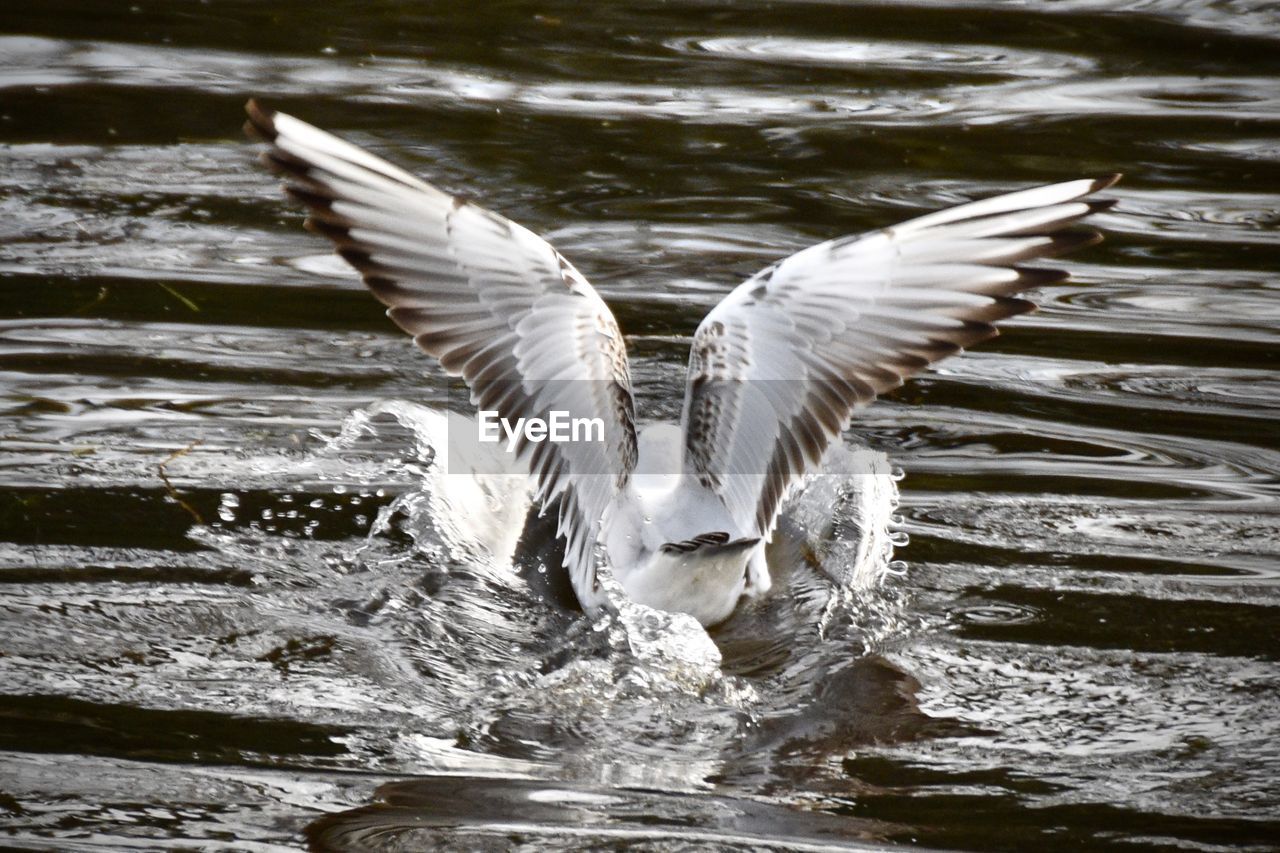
{"x": 494, "y": 302}
{"x": 779, "y": 365}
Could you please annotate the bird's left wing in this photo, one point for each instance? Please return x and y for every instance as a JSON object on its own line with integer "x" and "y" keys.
{"x": 495, "y": 303}
{"x": 779, "y": 365}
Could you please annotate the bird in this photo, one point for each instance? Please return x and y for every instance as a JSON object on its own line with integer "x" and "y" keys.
{"x": 681, "y": 512}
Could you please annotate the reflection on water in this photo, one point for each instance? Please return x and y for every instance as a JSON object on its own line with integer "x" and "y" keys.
{"x": 292, "y": 636}
{"x": 422, "y": 814}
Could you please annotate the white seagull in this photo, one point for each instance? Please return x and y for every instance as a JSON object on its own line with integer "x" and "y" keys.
{"x": 775, "y": 370}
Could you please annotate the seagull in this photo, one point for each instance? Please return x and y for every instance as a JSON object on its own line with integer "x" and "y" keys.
{"x": 776, "y": 369}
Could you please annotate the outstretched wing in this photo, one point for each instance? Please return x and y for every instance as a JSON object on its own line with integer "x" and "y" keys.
{"x": 777, "y": 368}
{"x": 494, "y": 302}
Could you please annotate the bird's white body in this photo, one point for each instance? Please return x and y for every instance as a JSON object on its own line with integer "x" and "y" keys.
{"x": 775, "y": 370}
{"x": 661, "y": 505}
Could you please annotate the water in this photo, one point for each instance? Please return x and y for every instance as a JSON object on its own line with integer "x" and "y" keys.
{"x": 1081, "y": 652}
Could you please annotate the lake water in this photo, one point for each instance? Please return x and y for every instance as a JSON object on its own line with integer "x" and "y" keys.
{"x": 231, "y": 617}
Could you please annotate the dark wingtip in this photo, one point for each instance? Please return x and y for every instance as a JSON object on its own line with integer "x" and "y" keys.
{"x": 1033, "y": 277}
{"x": 1015, "y": 306}
{"x": 714, "y": 542}
{"x": 1094, "y": 238}
{"x": 339, "y": 234}
{"x": 1105, "y": 182}
{"x": 320, "y": 204}
{"x": 1069, "y": 241}
{"x": 261, "y": 124}
{"x": 358, "y": 258}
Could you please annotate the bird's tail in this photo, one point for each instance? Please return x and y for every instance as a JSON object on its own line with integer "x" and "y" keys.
{"x": 715, "y": 543}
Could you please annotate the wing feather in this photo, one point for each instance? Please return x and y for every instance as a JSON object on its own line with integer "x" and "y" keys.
{"x": 495, "y": 303}
{"x": 777, "y": 368}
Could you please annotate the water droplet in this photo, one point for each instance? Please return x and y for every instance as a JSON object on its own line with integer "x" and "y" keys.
{"x": 227, "y": 506}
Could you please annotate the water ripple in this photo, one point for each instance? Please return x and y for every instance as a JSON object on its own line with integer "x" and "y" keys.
{"x": 890, "y": 56}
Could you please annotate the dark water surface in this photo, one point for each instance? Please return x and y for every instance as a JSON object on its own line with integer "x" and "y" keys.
{"x": 1082, "y": 651}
